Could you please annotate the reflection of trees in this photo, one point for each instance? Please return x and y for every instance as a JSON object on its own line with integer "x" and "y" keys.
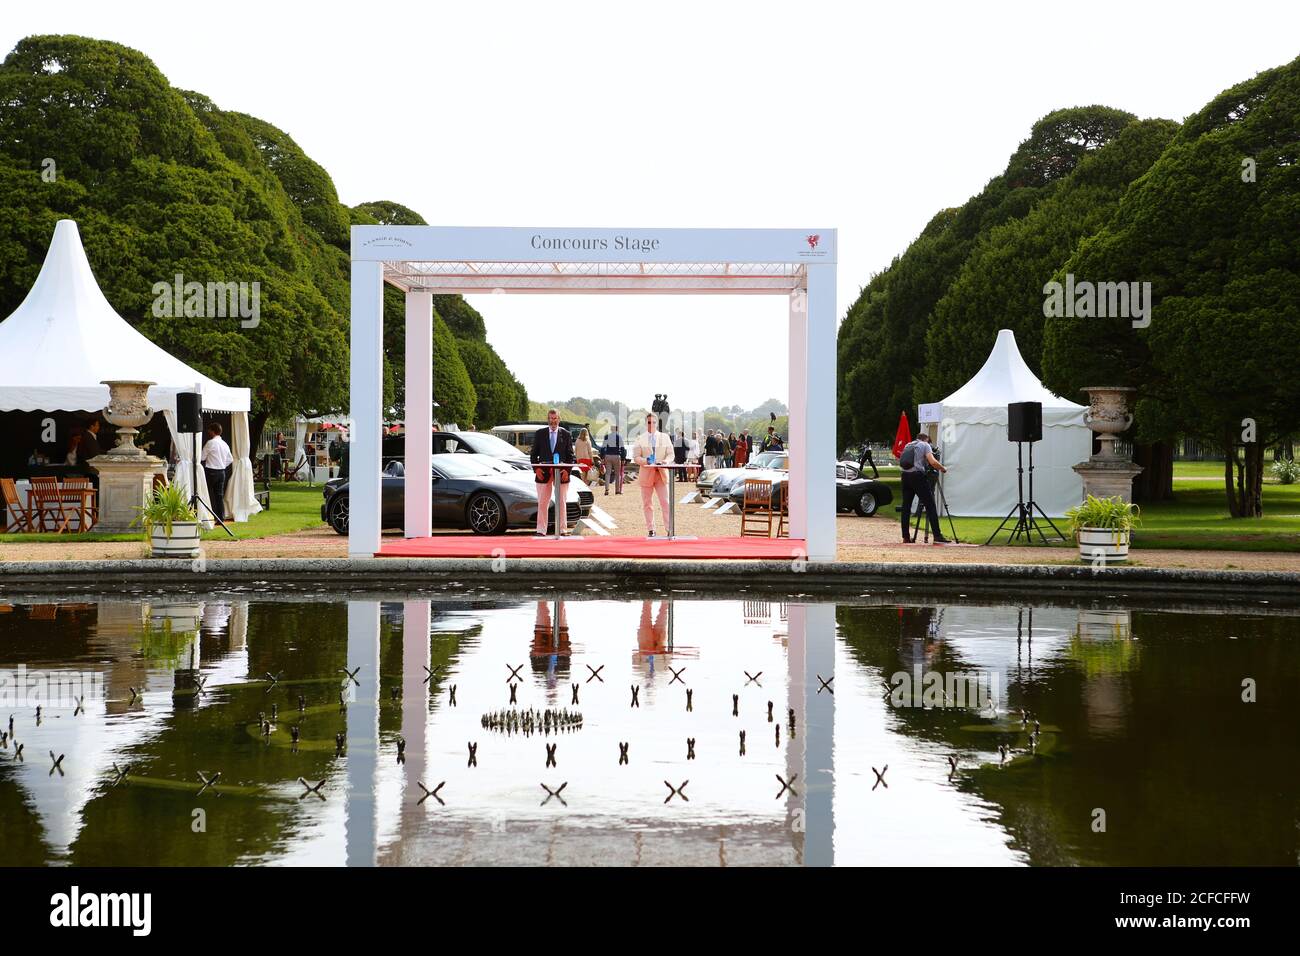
{"x": 1187, "y": 773}
{"x": 305, "y": 644}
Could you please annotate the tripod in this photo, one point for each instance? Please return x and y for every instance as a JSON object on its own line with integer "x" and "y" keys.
{"x": 1026, "y": 522}
{"x": 921, "y": 520}
{"x": 195, "y": 501}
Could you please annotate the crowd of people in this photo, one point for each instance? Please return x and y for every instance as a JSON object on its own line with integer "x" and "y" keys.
{"x": 605, "y": 463}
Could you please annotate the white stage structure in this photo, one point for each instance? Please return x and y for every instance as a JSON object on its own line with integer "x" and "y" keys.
{"x": 973, "y": 440}
{"x": 65, "y": 339}
{"x": 426, "y": 260}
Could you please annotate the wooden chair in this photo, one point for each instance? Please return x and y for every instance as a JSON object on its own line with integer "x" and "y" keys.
{"x": 783, "y": 525}
{"x": 79, "y": 493}
{"x": 47, "y": 503}
{"x": 756, "y": 509}
{"x": 15, "y": 506}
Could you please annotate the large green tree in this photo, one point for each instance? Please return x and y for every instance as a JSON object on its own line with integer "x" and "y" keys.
{"x": 160, "y": 183}
{"x": 1214, "y": 226}
{"x": 882, "y": 341}
{"x": 1000, "y": 285}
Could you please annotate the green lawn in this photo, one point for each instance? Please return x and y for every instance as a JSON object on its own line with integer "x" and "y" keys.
{"x": 294, "y": 507}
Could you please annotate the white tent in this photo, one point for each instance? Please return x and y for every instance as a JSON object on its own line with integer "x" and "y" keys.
{"x": 65, "y": 338}
{"x": 973, "y": 440}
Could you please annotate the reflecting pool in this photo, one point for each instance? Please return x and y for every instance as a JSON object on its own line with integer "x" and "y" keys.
{"x": 665, "y": 727}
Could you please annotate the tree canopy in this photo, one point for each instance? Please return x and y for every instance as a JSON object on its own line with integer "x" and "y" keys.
{"x": 882, "y": 341}
{"x": 1214, "y": 226}
{"x": 161, "y": 181}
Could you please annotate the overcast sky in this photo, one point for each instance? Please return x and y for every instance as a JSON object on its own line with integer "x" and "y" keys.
{"x": 864, "y": 117}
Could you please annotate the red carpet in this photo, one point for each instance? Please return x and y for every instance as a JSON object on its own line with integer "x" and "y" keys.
{"x": 590, "y": 546}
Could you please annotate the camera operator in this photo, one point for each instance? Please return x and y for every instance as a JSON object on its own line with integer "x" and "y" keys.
{"x": 918, "y": 462}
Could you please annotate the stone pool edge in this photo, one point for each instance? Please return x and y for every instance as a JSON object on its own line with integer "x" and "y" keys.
{"x": 722, "y": 575}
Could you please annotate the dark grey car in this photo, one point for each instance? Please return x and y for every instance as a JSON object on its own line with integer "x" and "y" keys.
{"x": 474, "y": 492}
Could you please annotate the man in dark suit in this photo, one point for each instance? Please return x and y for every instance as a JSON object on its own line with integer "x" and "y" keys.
{"x": 551, "y": 444}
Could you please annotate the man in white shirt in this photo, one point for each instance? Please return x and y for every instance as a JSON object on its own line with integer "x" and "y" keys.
{"x": 653, "y": 447}
{"x": 216, "y": 459}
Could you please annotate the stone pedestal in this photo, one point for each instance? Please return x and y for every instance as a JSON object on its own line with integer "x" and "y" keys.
{"x": 1108, "y": 474}
{"x": 1108, "y": 479}
{"x": 124, "y": 484}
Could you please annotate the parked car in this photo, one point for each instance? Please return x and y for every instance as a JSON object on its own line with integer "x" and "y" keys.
{"x": 720, "y": 482}
{"x": 862, "y": 495}
{"x": 474, "y": 492}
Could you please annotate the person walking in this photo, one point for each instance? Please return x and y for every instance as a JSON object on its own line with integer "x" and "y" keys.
{"x": 653, "y": 447}
{"x": 582, "y": 451}
{"x": 742, "y": 452}
{"x": 916, "y": 484}
{"x": 612, "y": 453}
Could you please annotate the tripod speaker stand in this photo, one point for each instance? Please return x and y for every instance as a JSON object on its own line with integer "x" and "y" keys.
{"x": 189, "y": 421}
{"x": 1024, "y": 427}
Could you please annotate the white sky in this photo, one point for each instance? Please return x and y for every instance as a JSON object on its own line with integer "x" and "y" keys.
{"x": 864, "y": 117}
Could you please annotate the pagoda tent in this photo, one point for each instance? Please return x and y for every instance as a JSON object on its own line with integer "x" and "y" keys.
{"x": 982, "y": 463}
{"x": 65, "y": 339}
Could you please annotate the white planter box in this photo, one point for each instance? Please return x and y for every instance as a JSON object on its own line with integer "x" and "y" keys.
{"x": 182, "y": 543}
{"x": 1103, "y": 544}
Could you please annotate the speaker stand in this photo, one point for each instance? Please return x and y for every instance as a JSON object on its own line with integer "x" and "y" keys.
{"x": 1026, "y": 519}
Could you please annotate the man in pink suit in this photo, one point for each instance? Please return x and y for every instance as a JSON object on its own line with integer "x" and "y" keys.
{"x": 653, "y": 447}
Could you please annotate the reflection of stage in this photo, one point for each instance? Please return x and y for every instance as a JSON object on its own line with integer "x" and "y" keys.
{"x": 519, "y": 546}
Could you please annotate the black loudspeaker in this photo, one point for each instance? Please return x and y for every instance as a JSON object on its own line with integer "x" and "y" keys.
{"x": 1025, "y": 421}
{"x": 189, "y": 413}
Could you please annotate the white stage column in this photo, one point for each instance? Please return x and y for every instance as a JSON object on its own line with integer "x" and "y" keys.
{"x": 797, "y": 439}
{"x": 818, "y": 413}
{"x": 419, "y": 413}
{"x": 367, "y": 389}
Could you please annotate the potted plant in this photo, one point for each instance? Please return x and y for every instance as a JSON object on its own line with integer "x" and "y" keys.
{"x": 1103, "y": 527}
{"x": 170, "y": 525}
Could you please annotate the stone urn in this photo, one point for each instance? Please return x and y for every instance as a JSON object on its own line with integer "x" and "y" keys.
{"x": 1108, "y": 415}
{"x": 128, "y": 409}
{"x": 1108, "y": 474}
{"x": 126, "y": 473}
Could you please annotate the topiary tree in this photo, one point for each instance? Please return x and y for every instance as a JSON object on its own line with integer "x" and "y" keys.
{"x": 882, "y": 341}
{"x": 161, "y": 182}
{"x": 1214, "y": 226}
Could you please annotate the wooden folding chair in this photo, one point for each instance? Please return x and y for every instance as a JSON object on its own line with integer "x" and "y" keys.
{"x": 79, "y": 492}
{"x": 756, "y": 509}
{"x": 783, "y": 525}
{"x": 15, "y": 506}
{"x": 47, "y": 503}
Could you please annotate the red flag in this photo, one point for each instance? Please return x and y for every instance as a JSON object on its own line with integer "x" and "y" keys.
{"x": 903, "y": 436}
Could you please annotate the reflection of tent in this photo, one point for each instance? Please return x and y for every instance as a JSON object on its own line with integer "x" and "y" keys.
{"x": 973, "y": 439}
{"x": 65, "y": 338}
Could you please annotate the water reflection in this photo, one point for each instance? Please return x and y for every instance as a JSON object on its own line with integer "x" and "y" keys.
{"x": 1049, "y": 712}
